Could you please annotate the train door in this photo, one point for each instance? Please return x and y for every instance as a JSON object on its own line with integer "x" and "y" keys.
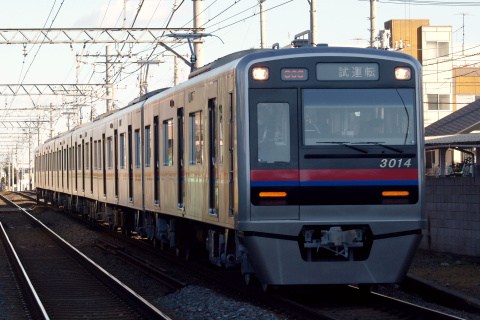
{"x": 231, "y": 184}
{"x": 64, "y": 163}
{"x": 103, "y": 156}
{"x": 156, "y": 160}
{"x": 91, "y": 165}
{"x": 67, "y": 166}
{"x": 274, "y": 148}
{"x": 130, "y": 164}
{"x": 115, "y": 154}
{"x": 212, "y": 157}
{"x": 180, "y": 163}
{"x": 75, "y": 165}
{"x": 83, "y": 165}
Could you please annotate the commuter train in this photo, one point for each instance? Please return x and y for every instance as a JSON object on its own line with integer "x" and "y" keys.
{"x": 298, "y": 166}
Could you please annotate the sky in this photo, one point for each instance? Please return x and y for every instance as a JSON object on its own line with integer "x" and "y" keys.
{"x": 235, "y": 22}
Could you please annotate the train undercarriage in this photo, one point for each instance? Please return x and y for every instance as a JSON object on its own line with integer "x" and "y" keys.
{"x": 181, "y": 235}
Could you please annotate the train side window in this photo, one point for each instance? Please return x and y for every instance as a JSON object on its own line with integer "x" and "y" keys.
{"x": 109, "y": 153}
{"x": 148, "y": 152}
{"x": 122, "y": 151}
{"x": 99, "y": 145}
{"x": 87, "y": 156}
{"x": 79, "y": 157}
{"x": 273, "y": 121}
{"x": 137, "y": 148}
{"x": 95, "y": 155}
{"x": 196, "y": 138}
{"x": 220, "y": 134}
{"x": 168, "y": 142}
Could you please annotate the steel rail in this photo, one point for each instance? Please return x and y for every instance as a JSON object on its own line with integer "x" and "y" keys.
{"x": 37, "y": 304}
{"x": 141, "y": 305}
{"x": 410, "y": 308}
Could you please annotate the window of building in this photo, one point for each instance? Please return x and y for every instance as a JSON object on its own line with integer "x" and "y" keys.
{"x": 137, "y": 148}
{"x": 122, "y": 151}
{"x": 148, "y": 153}
{"x": 437, "y": 49}
{"x": 168, "y": 142}
{"x": 430, "y": 159}
{"x": 439, "y": 102}
{"x": 196, "y": 137}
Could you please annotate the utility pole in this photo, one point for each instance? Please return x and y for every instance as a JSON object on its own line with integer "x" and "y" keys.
{"x": 198, "y": 8}
{"x": 144, "y": 75}
{"x": 175, "y": 67}
{"x": 124, "y": 14}
{"x": 51, "y": 120}
{"x": 92, "y": 110}
{"x": 313, "y": 23}
{"x": 38, "y": 131}
{"x": 175, "y": 70}
{"x": 263, "y": 34}
{"x": 373, "y": 23}
{"x": 30, "y": 161}
{"x": 463, "y": 32}
{"x": 109, "y": 78}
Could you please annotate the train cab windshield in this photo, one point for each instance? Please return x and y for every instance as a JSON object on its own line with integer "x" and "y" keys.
{"x": 273, "y": 132}
{"x": 358, "y": 117}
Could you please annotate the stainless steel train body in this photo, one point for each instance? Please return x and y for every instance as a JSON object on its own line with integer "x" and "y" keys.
{"x": 303, "y": 166}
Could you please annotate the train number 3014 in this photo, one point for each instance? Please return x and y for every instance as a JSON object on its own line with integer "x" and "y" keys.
{"x": 395, "y": 163}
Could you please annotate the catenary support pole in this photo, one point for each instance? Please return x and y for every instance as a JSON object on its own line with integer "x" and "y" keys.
{"x": 109, "y": 78}
{"x": 263, "y": 34}
{"x": 313, "y": 23}
{"x": 198, "y": 8}
{"x": 373, "y": 23}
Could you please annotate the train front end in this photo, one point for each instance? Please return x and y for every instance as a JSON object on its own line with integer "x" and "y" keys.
{"x": 333, "y": 190}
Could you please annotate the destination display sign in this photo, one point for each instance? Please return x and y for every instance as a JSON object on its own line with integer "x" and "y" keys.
{"x": 347, "y": 71}
{"x": 294, "y": 74}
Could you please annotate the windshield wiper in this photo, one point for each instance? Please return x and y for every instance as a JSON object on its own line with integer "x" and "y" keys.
{"x": 382, "y": 145}
{"x": 345, "y": 145}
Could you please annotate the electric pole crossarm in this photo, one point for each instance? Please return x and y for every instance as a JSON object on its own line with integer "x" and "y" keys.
{"x": 90, "y": 35}
{"x": 50, "y": 89}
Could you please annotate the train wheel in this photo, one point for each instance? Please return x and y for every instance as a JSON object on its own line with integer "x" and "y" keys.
{"x": 365, "y": 287}
{"x": 247, "y": 277}
{"x": 126, "y": 232}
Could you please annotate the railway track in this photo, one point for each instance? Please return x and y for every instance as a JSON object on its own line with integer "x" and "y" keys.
{"x": 320, "y": 302}
{"x": 65, "y": 283}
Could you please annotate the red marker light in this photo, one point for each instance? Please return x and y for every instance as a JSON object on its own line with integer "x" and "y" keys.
{"x": 294, "y": 74}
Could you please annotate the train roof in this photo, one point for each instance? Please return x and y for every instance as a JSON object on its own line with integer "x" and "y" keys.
{"x": 233, "y": 60}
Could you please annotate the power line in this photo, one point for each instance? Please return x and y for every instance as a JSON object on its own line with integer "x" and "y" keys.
{"x": 238, "y": 21}
{"x": 432, "y": 3}
{"x": 45, "y": 35}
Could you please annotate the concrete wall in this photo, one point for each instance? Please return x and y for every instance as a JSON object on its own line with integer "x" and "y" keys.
{"x": 453, "y": 214}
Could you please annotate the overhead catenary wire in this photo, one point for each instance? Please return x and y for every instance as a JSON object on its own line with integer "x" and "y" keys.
{"x": 432, "y": 3}
{"x": 35, "y": 56}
